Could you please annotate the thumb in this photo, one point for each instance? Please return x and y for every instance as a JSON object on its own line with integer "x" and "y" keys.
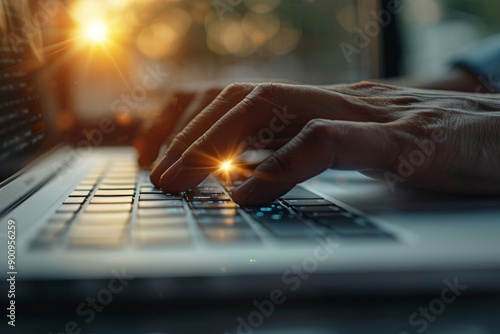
{"x": 321, "y": 144}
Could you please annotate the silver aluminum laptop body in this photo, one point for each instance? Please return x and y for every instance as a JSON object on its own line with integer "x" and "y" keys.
{"x": 432, "y": 236}
{"x": 436, "y": 237}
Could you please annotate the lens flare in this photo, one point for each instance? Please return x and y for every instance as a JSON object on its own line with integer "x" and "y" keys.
{"x": 96, "y": 32}
{"x": 226, "y": 166}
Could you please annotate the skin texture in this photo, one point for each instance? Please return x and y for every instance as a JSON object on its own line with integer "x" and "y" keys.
{"x": 431, "y": 139}
{"x": 186, "y": 102}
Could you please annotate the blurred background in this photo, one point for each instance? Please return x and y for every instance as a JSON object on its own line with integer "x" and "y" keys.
{"x": 105, "y": 53}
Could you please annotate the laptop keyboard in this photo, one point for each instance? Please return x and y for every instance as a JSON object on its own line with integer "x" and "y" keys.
{"x": 116, "y": 206}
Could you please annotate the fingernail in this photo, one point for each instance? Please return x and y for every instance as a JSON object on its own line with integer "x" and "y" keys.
{"x": 170, "y": 174}
{"x": 241, "y": 193}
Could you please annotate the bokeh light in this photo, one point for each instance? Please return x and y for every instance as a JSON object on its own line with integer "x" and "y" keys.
{"x": 158, "y": 40}
{"x": 285, "y": 40}
{"x": 164, "y": 36}
{"x": 260, "y": 27}
{"x": 262, "y": 6}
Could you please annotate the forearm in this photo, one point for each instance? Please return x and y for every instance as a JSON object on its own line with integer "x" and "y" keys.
{"x": 456, "y": 79}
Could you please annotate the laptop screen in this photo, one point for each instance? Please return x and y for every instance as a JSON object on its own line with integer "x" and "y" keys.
{"x": 26, "y": 109}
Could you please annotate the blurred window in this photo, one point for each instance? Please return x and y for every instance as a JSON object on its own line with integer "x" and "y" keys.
{"x": 435, "y": 31}
{"x": 119, "y": 44}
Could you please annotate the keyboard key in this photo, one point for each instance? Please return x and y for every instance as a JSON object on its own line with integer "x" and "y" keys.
{"x": 288, "y": 220}
{"x": 122, "y": 174}
{"x": 117, "y": 187}
{"x": 161, "y": 222}
{"x": 209, "y": 197}
{"x": 300, "y": 193}
{"x": 69, "y": 208}
{"x": 79, "y": 193}
{"x": 114, "y": 193}
{"x": 109, "y": 208}
{"x": 118, "y": 181}
{"x": 313, "y": 209}
{"x": 151, "y": 190}
{"x": 160, "y": 204}
{"x": 161, "y": 212}
{"x": 215, "y": 212}
{"x": 212, "y": 190}
{"x": 116, "y": 218}
{"x": 267, "y": 209}
{"x": 236, "y": 221}
{"x": 317, "y": 215}
{"x": 158, "y": 197}
{"x": 112, "y": 200}
{"x": 213, "y": 204}
{"x": 97, "y": 231}
{"x": 74, "y": 200}
{"x": 308, "y": 202}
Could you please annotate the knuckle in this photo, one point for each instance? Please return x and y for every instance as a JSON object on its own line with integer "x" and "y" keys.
{"x": 367, "y": 87}
{"x": 261, "y": 92}
{"x": 320, "y": 130}
{"x": 272, "y": 91}
{"x": 235, "y": 89}
{"x": 265, "y": 88}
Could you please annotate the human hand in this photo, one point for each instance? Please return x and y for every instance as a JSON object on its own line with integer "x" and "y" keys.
{"x": 445, "y": 141}
{"x": 185, "y": 102}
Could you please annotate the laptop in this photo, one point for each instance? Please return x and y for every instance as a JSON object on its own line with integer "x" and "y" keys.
{"x": 85, "y": 218}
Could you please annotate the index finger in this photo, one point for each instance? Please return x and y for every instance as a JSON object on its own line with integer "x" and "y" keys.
{"x": 229, "y": 97}
{"x": 257, "y": 120}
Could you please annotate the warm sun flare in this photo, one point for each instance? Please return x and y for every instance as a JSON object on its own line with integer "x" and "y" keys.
{"x": 226, "y": 166}
{"x": 96, "y": 32}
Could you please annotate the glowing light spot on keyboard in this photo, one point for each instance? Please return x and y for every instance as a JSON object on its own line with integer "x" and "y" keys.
{"x": 226, "y": 166}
